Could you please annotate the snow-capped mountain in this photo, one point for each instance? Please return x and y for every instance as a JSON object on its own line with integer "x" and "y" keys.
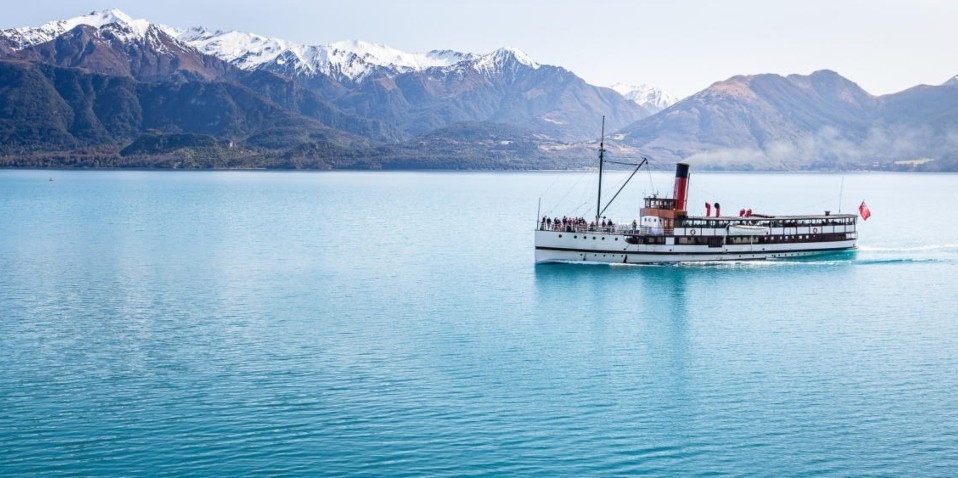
{"x": 111, "y": 42}
{"x": 121, "y": 25}
{"x": 649, "y": 97}
{"x": 502, "y": 59}
{"x": 350, "y": 62}
{"x": 271, "y": 94}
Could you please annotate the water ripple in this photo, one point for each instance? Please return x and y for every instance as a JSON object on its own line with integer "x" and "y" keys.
{"x": 226, "y": 325}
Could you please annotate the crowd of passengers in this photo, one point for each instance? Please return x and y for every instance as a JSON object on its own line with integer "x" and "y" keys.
{"x": 575, "y": 224}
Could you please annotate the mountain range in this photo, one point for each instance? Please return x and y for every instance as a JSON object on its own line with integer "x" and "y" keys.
{"x": 108, "y": 90}
{"x": 818, "y": 121}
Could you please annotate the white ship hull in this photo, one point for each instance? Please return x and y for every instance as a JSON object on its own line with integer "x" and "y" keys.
{"x": 554, "y": 246}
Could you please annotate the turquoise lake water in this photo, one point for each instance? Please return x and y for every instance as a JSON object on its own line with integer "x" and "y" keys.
{"x": 231, "y": 323}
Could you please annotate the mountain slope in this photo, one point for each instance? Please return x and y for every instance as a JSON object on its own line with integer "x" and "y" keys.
{"x": 920, "y": 123}
{"x": 762, "y": 121}
{"x": 152, "y": 56}
{"x": 819, "y": 121}
{"x": 47, "y": 108}
{"x": 297, "y": 98}
{"x": 412, "y": 92}
{"x": 504, "y": 86}
{"x": 111, "y": 43}
{"x": 420, "y": 92}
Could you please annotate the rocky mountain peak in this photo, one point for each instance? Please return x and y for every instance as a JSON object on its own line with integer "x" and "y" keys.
{"x": 503, "y": 59}
{"x": 122, "y": 26}
{"x": 646, "y": 96}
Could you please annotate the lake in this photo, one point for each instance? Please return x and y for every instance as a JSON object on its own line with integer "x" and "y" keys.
{"x": 393, "y": 323}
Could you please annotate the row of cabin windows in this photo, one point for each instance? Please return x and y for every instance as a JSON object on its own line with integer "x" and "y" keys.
{"x": 704, "y": 223}
{"x": 770, "y": 239}
{"x": 712, "y": 240}
{"x": 840, "y": 236}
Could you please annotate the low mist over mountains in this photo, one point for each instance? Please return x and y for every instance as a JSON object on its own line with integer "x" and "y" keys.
{"x": 107, "y": 90}
{"x": 819, "y": 121}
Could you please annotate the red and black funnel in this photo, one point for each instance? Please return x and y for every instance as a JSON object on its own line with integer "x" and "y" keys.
{"x": 681, "y": 192}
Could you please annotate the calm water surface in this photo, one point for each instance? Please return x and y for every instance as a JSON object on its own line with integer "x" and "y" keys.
{"x": 226, "y": 323}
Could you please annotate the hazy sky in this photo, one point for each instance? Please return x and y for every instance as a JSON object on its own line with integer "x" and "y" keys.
{"x": 680, "y": 46}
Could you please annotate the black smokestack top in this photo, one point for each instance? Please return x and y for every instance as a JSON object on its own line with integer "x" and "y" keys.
{"x": 682, "y": 170}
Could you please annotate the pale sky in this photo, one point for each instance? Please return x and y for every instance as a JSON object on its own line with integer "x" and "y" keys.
{"x": 679, "y": 46}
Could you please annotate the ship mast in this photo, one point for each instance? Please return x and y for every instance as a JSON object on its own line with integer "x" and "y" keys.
{"x": 598, "y": 204}
{"x": 599, "y": 210}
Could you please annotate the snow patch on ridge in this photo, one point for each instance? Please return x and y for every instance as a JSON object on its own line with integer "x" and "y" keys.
{"x": 244, "y": 50}
{"x": 647, "y": 96}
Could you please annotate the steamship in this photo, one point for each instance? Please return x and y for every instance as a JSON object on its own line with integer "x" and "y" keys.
{"x": 666, "y": 233}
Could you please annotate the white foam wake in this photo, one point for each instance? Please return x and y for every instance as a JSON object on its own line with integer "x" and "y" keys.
{"x": 922, "y": 248}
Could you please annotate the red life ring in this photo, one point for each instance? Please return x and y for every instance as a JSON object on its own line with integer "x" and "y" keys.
{"x": 692, "y": 232}
{"x": 814, "y": 230}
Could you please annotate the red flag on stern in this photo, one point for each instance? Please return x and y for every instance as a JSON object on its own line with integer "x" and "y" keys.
{"x": 864, "y": 211}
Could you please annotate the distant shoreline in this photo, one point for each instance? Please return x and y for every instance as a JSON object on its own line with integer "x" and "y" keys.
{"x": 466, "y": 170}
